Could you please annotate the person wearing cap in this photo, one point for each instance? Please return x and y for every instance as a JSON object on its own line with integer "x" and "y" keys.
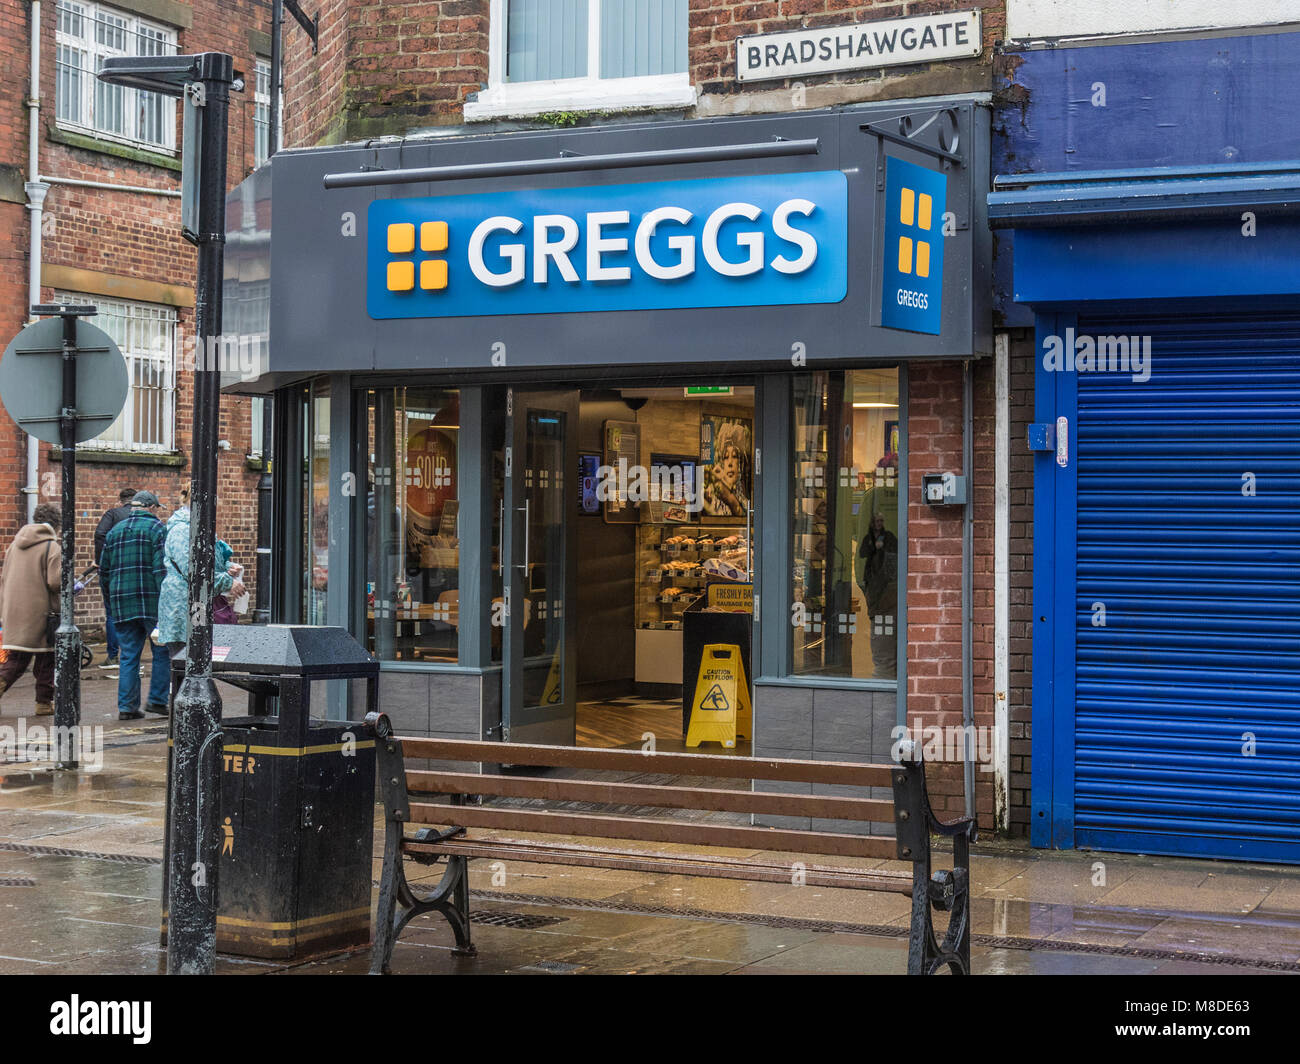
{"x": 120, "y": 512}
{"x": 131, "y": 568}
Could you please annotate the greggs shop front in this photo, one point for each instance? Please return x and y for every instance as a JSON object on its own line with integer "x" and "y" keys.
{"x": 548, "y": 405}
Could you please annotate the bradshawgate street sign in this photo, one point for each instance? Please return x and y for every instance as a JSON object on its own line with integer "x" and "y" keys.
{"x": 892, "y": 42}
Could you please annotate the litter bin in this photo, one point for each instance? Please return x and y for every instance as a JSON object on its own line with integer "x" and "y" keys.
{"x": 297, "y": 794}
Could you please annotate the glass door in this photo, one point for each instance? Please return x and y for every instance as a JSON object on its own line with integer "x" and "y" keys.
{"x": 539, "y": 509}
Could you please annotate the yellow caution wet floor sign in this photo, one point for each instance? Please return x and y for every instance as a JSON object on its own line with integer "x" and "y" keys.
{"x": 551, "y": 694}
{"x": 721, "y": 710}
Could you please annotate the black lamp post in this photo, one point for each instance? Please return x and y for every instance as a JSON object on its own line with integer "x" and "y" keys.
{"x": 205, "y": 80}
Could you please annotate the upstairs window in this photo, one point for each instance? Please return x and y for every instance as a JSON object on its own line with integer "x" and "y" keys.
{"x": 146, "y": 335}
{"x": 548, "y": 40}
{"x": 88, "y": 34}
{"x": 575, "y": 54}
{"x": 261, "y": 112}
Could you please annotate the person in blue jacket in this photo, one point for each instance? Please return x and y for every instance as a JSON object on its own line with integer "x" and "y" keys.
{"x": 174, "y": 598}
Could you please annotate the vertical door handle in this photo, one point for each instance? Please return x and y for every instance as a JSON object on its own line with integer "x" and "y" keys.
{"x": 749, "y": 540}
{"x": 524, "y": 567}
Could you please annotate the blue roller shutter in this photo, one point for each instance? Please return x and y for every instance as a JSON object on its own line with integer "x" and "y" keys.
{"x": 1187, "y": 697}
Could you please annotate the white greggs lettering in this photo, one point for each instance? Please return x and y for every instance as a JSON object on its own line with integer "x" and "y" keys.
{"x": 555, "y": 236}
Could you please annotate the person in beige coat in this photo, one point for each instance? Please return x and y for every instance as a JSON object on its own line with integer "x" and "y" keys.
{"x": 29, "y": 590}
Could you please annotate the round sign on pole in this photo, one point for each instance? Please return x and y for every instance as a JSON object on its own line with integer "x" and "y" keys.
{"x": 31, "y": 380}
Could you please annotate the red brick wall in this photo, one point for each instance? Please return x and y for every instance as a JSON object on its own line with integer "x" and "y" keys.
{"x": 13, "y": 298}
{"x": 383, "y": 68}
{"x": 934, "y": 570}
{"x": 934, "y": 566}
{"x": 128, "y": 235}
{"x": 1021, "y": 558}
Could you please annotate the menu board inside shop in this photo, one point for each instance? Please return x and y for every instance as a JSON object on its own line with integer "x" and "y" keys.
{"x": 622, "y": 455}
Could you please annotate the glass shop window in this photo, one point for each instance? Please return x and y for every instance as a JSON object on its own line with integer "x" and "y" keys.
{"x": 845, "y": 561}
{"x": 412, "y": 538}
{"x": 316, "y": 503}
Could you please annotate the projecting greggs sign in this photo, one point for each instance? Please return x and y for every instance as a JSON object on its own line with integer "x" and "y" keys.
{"x": 763, "y": 240}
{"x": 801, "y": 53}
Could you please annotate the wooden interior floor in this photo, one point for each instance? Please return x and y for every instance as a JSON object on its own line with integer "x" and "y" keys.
{"x": 624, "y": 722}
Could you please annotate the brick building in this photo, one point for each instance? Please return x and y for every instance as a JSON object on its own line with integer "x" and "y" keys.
{"x": 104, "y": 184}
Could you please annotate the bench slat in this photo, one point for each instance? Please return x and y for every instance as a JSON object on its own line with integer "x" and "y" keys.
{"x": 645, "y": 830}
{"x": 672, "y": 864}
{"x": 723, "y": 765}
{"x": 666, "y": 797}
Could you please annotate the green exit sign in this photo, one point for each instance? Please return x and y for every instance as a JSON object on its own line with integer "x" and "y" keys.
{"x": 709, "y": 389}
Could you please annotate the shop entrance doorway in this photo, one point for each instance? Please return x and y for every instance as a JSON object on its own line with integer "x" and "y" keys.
{"x": 538, "y": 511}
{"x": 618, "y": 507}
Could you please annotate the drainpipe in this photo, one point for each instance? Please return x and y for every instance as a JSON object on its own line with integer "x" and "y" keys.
{"x": 79, "y": 183}
{"x": 36, "y": 190}
{"x": 277, "y": 61}
{"x": 967, "y": 594}
{"x": 1002, "y": 584}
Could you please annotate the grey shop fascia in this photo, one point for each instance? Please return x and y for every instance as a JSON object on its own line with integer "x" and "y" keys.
{"x": 758, "y": 246}
{"x": 330, "y": 309}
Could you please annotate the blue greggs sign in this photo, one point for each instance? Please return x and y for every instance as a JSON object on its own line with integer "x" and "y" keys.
{"x": 761, "y": 240}
{"x": 912, "y": 286}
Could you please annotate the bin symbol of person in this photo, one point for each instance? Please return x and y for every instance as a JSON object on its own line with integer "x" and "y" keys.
{"x": 228, "y": 842}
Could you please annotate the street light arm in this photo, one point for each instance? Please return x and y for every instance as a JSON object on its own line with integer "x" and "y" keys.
{"x": 166, "y": 74}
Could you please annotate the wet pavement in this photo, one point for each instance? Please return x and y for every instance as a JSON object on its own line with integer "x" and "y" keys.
{"x": 80, "y": 883}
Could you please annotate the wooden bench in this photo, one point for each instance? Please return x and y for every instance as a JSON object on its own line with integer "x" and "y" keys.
{"x": 455, "y": 803}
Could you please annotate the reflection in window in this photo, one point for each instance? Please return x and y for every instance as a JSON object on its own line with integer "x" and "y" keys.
{"x": 316, "y": 504}
{"x": 412, "y": 544}
{"x": 845, "y": 524}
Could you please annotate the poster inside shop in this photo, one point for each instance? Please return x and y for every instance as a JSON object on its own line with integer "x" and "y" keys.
{"x": 622, "y": 453}
{"x": 726, "y": 462}
{"x": 431, "y": 490}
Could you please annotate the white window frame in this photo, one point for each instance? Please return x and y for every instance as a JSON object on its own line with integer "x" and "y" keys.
{"x": 523, "y": 99}
{"x": 162, "y": 361}
{"x": 256, "y": 414}
{"x": 261, "y": 110}
{"x": 91, "y": 51}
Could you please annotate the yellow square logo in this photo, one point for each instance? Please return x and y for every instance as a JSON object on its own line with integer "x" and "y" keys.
{"x": 401, "y": 276}
{"x": 401, "y": 238}
{"x": 433, "y": 274}
{"x": 914, "y": 212}
{"x": 433, "y": 236}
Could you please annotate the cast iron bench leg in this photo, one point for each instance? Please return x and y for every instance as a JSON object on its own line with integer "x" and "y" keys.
{"x": 399, "y": 904}
{"x": 386, "y": 929}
